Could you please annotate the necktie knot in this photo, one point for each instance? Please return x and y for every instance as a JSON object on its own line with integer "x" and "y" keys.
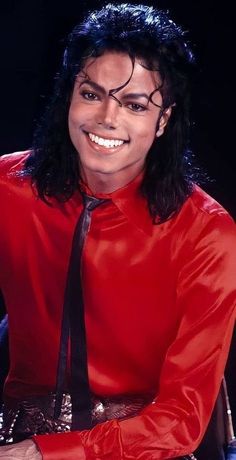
{"x": 91, "y": 202}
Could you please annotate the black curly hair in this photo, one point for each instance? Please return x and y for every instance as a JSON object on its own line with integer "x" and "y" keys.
{"x": 139, "y": 31}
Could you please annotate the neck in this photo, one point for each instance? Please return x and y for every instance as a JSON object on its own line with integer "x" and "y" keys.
{"x": 107, "y": 183}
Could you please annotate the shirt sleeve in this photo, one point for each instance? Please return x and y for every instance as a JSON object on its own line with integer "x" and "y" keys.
{"x": 174, "y": 423}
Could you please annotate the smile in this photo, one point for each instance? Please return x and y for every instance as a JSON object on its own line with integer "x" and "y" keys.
{"x": 108, "y": 143}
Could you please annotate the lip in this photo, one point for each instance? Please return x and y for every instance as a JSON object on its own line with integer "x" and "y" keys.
{"x": 105, "y": 137}
{"x": 101, "y": 148}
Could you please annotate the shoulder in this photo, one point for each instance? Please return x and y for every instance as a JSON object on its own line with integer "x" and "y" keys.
{"x": 203, "y": 210}
{"x": 208, "y": 230}
{"x": 12, "y": 162}
{"x": 14, "y": 186}
{"x": 205, "y": 203}
{"x": 11, "y": 166}
{"x": 203, "y": 225}
{"x": 212, "y": 215}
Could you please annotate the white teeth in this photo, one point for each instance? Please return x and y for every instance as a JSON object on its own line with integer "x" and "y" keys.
{"x": 108, "y": 143}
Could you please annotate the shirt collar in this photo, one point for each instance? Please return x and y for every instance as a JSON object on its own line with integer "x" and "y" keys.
{"x": 130, "y": 201}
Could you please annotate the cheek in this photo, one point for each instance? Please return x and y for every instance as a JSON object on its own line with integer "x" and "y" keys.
{"x": 146, "y": 127}
{"x": 71, "y": 117}
{"x": 76, "y": 111}
{"x": 145, "y": 134}
{"x": 76, "y": 120}
{"x": 72, "y": 130}
{"x": 74, "y": 124}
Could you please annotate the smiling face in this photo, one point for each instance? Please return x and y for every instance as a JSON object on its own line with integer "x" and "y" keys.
{"x": 113, "y": 132}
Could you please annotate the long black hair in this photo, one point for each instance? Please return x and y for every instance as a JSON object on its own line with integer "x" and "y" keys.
{"x": 140, "y": 31}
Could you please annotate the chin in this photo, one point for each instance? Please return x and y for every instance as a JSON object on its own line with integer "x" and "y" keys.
{"x": 100, "y": 168}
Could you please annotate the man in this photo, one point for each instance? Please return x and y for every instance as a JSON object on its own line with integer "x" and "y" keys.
{"x": 157, "y": 264}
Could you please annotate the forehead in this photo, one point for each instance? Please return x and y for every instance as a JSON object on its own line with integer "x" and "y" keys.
{"x": 113, "y": 69}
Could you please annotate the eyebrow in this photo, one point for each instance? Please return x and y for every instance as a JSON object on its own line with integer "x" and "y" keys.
{"x": 102, "y": 90}
{"x": 136, "y": 95}
{"x": 93, "y": 85}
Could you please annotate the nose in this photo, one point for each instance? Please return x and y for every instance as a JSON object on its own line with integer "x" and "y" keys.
{"x": 108, "y": 114}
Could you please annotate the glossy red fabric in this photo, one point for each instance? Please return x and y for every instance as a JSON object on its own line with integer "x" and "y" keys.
{"x": 159, "y": 306}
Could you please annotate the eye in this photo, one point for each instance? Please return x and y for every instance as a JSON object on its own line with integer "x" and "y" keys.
{"x": 89, "y": 96}
{"x": 136, "y": 107}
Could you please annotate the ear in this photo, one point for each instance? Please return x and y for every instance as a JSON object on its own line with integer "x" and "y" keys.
{"x": 163, "y": 121}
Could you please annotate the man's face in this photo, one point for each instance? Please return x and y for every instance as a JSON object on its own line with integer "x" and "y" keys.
{"x": 113, "y": 136}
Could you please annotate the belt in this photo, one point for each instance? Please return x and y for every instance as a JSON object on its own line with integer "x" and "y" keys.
{"x": 35, "y": 415}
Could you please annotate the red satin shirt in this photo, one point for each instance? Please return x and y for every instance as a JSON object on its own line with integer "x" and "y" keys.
{"x": 159, "y": 306}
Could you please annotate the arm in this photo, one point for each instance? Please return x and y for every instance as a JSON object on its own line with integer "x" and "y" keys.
{"x": 25, "y": 450}
{"x": 192, "y": 371}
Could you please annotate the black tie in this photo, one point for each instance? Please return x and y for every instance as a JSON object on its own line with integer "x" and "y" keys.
{"x": 73, "y": 325}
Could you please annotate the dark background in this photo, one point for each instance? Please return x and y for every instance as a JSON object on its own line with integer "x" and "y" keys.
{"x": 32, "y": 38}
